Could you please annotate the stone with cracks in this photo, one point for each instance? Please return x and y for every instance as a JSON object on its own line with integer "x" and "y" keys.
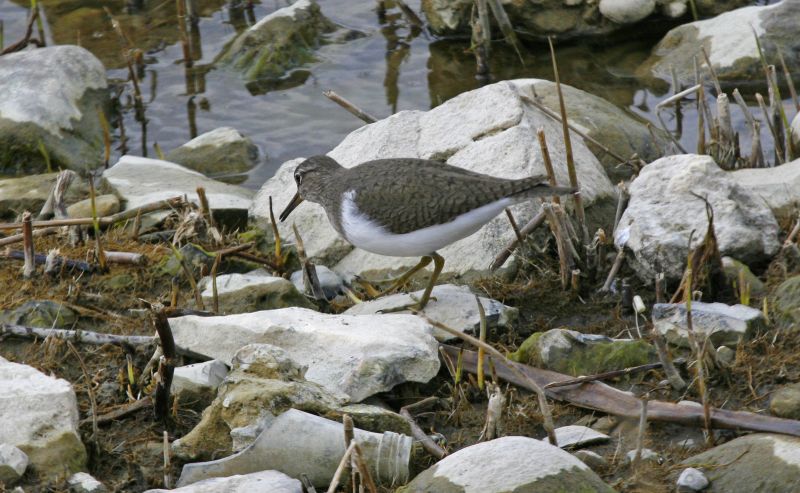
{"x": 354, "y": 355}
{"x": 505, "y": 464}
{"x": 40, "y": 417}
{"x": 574, "y": 436}
{"x": 662, "y": 212}
{"x": 724, "y": 325}
{"x": 454, "y": 306}
{"x": 489, "y": 130}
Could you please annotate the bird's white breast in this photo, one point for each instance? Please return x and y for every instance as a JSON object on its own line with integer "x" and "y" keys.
{"x": 367, "y": 234}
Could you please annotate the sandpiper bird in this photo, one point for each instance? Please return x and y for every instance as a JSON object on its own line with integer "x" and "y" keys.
{"x": 409, "y": 207}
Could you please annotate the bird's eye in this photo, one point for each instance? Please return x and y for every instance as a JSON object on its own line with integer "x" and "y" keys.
{"x": 298, "y": 178}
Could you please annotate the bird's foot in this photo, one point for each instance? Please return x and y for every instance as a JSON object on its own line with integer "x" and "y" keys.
{"x": 417, "y": 306}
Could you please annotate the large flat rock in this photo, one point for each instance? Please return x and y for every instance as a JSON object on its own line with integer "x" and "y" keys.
{"x": 351, "y": 355}
{"x": 491, "y": 130}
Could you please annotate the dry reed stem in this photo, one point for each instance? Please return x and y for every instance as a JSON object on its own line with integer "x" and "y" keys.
{"x": 505, "y": 26}
{"x": 772, "y": 130}
{"x": 548, "y": 163}
{"x": 604, "y": 376}
{"x": 310, "y": 278}
{"x": 29, "y": 268}
{"x": 615, "y": 267}
{"x": 166, "y": 450}
{"x": 482, "y": 337}
{"x": 350, "y": 107}
{"x": 203, "y": 199}
{"x": 514, "y": 227}
{"x": 341, "y": 467}
{"x": 482, "y": 38}
{"x": 788, "y": 75}
{"x": 501, "y": 257}
{"x": 565, "y": 260}
{"x": 637, "y": 458}
{"x": 214, "y": 292}
{"x": 366, "y": 477}
{"x": 547, "y": 415}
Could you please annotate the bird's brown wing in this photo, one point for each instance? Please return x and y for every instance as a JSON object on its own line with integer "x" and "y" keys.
{"x": 434, "y": 193}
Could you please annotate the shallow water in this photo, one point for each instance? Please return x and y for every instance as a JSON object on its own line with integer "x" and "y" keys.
{"x": 394, "y": 67}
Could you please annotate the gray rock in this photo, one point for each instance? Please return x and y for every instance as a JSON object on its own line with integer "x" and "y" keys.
{"x": 765, "y": 463}
{"x": 82, "y": 482}
{"x": 690, "y": 480}
{"x": 503, "y": 464}
{"x": 223, "y": 150}
{"x": 40, "y": 417}
{"x": 627, "y": 11}
{"x": 489, "y": 130}
{"x": 51, "y": 96}
{"x": 591, "y": 459}
{"x": 250, "y": 292}
{"x": 726, "y": 355}
{"x": 29, "y": 193}
{"x": 574, "y": 436}
{"x": 279, "y": 42}
{"x": 354, "y": 355}
{"x": 786, "y": 302}
{"x": 40, "y": 313}
{"x": 724, "y": 325}
{"x": 198, "y": 382}
{"x": 140, "y": 181}
{"x": 778, "y": 186}
{"x": 574, "y": 353}
{"x": 261, "y": 481}
{"x": 736, "y": 272}
{"x": 662, "y": 213}
{"x": 728, "y": 39}
{"x": 454, "y": 306}
{"x": 195, "y": 257}
{"x": 785, "y": 401}
{"x": 330, "y": 282}
{"x": 13, "y": 463}
{"x": 106, "y": 205}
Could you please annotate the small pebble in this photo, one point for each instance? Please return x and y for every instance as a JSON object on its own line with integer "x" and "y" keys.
{"x": 691, "y": 480}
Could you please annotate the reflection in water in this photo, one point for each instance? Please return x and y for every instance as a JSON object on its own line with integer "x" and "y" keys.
{"x": 397, "y": 51}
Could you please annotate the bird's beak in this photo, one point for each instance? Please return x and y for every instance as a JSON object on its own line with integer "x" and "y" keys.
{"x": 289, "y": 208}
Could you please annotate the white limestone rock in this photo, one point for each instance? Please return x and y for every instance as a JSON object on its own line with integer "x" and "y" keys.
{"x": 662, "y": 212}
{"x": 82, "y": 482}
{"x": 51, "y": 96}
{"x": 778, "y": 186}
{"x": 198, "y": 381}
{"x": 40, "y": 417}
{"x": 627, "y": 11}
{"x": 332, "y": 284}
{"x": 504, "y": 464}
{"x": 488, "y": 130}
{"x": 724, "y": 325}
{"x": 354, "y": 355}
{"x": 574, "y": 436}
{"x": 13, "y": 463}
{"x": 250, "y": 292}
{"x": 691, "y": 480}
{"x": 139, "y": 181}
{"x": 262, "y": 482}
{"x": 454, "y": 306}
{"x": 729, "y": 41}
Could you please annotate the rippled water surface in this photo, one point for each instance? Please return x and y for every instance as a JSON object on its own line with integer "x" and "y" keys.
{"x": 393, "y": 67}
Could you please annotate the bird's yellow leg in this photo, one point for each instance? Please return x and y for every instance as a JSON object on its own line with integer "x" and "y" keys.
{"x": 438, "y": 264}
{"x": 398, "y": 282}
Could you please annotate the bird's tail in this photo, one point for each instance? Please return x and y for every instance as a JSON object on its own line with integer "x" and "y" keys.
{"x": 538, "y": 186}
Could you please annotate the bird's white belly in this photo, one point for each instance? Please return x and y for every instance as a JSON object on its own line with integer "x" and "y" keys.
{"x": 369, "y": 235}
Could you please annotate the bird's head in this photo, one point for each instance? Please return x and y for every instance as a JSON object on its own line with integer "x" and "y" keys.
{"x": 311, "y": 177}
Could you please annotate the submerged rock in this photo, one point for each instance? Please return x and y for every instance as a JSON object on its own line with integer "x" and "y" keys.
{"x": 223, "y": 150}
{"x": 514, "y": 463}
{"x": 764, "y": 463}
{"x": 140, "y": 181}
{"x": 50, "y": 99}
{"x": 40, "y": 417}
{"x": 731, "y": 46}
{"x": 283, "y": 40}
{"x": 573, "y": 353}
{"x": 663, "y": 212}
{"x": 260, "y": 481}
{"x": 250, "y": 292}
{"x": 489, "y": 130}
{"x": 454, "y": 306}
{"x": 724, "y": 325}
{"x": 351, "y": 355}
